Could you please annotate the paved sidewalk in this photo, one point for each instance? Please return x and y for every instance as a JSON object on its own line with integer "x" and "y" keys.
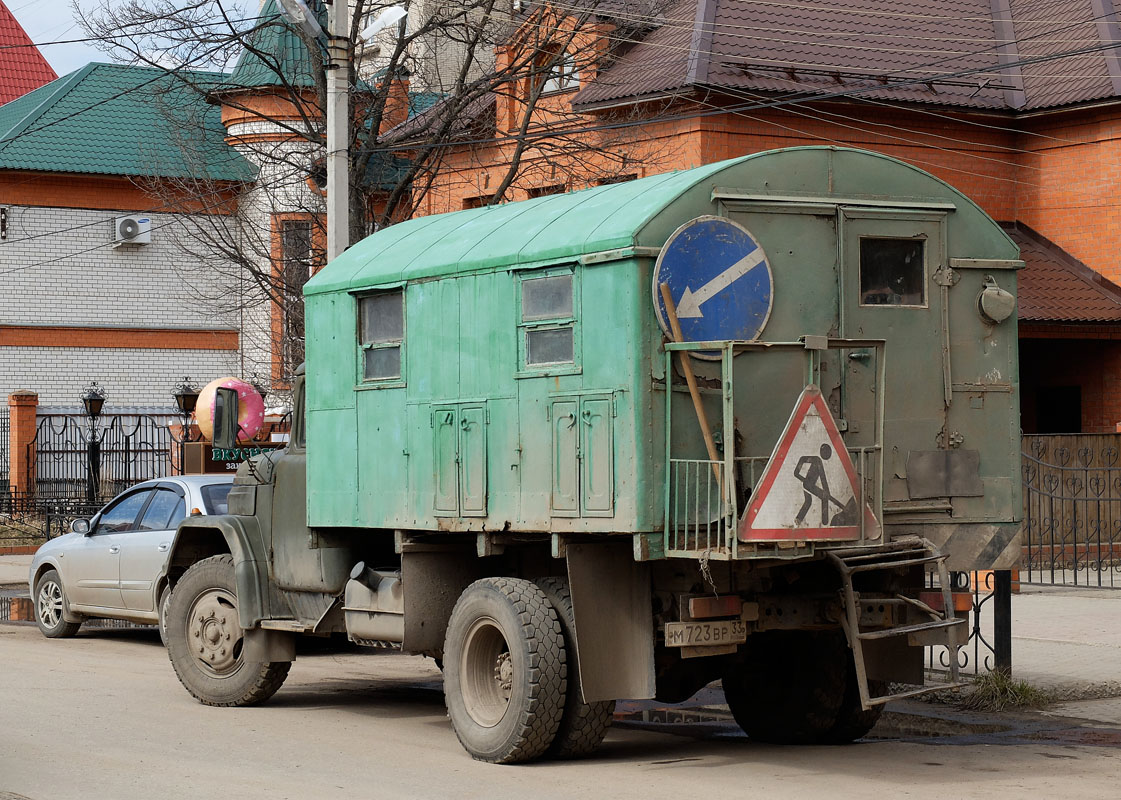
{"x": 1064, "y": 639}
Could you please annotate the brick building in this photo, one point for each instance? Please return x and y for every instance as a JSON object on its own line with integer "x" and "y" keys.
{"x": 1016, "y": 104}
{"x": 81, "y": 300}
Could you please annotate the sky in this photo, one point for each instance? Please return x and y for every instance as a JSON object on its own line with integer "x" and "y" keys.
{"x": 53, "y": 20}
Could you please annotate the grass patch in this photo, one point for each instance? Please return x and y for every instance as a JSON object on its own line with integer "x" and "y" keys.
{"x": 997, "y": 691}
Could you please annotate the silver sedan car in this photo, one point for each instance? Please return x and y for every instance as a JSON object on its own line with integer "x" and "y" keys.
{"x": 115, "y": 564}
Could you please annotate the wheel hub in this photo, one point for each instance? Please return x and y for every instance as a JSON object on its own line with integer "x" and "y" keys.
{"x": 50, "y": 603}
{"x": 213, "y": 633}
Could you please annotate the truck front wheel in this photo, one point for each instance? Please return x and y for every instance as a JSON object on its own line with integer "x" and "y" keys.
{"x": 205, "y": 640}
{"x": 504, "y": 670}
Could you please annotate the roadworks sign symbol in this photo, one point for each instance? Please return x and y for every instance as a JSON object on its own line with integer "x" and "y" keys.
{"x": 809, "y": 488}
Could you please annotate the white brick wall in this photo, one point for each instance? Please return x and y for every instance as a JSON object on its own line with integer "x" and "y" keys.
{"x": 131, "y": 377}
{"x": 59, "y": 268}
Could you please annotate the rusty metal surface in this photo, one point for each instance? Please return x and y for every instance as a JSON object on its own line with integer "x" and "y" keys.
{"x": 944, "y": 473}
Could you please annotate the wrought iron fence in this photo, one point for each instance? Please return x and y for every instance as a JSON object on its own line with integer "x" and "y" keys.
{"x": 126, "y": 449}
{"x": 1072, "y": 510}
{"x": 987, "y": 644}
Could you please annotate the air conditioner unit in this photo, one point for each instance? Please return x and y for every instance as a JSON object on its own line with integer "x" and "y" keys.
{"x": 134, "y": 230}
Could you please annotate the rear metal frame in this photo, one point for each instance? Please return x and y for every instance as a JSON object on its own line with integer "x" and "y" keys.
{"x": 715, "y": 538}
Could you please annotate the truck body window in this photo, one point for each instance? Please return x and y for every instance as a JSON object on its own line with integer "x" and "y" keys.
{"x": 547, "y": 321}
{"x": 892, "y": 272}
{"x": 381, "y": 333}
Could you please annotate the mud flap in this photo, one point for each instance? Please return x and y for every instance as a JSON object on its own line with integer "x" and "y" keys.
{"x": 614, "y": 627}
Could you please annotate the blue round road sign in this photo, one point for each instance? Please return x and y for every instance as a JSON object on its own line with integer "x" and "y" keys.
{"x": 719, "y": 279}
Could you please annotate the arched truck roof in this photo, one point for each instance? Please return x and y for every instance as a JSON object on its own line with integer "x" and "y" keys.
{"x": 614, "y": 219}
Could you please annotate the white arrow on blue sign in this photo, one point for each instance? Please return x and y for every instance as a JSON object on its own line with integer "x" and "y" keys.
{"x": 720, "y": 281}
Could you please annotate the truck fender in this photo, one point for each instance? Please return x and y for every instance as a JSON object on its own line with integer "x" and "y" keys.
{"x": 195, "y": 539}
{"x": 614, "y": 627}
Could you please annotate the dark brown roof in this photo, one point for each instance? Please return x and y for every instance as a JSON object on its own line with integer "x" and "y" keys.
{"x": 946, "y": 52}
{"x": 1056, "y": 287}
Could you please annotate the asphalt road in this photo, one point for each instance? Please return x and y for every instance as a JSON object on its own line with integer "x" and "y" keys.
{"x": 103, "y": 716}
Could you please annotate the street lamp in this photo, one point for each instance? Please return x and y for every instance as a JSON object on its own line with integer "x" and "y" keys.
{"x": 93, "y": 398}
{"x": 186, "y": 395}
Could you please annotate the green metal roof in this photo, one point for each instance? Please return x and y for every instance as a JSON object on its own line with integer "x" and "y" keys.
{"x": 287, "y": 62}
{"x": 552, "y": 228}
{"x": 112, "y": 119}
{"x": 561, "y": 228}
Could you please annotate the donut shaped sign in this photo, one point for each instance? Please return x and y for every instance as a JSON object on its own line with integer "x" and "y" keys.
{"x": 250, "y": 408}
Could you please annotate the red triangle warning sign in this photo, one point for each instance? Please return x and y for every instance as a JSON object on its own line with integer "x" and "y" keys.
{"x": 809, "y": 488}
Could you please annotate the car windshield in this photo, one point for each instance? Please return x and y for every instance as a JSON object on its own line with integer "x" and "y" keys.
{"x": 214, "y": 497}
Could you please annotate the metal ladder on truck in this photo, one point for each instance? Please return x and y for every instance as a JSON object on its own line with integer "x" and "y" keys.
{"x": 940, "y": 627}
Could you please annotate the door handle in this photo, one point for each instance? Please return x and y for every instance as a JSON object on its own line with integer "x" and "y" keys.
{"x": 115, "y": 548}
{"x": 164, "y": 546}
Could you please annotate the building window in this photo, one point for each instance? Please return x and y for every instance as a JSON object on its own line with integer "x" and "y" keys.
{"x": 548, "y": 322}
{"x": 544, "y": 191}
{"x": 297, "y": 261}
{"x": 561, "y": 73}
{"x": 475, "y": 202}
{"x": 381, "y": 334}
{"x": 892, "y": 272}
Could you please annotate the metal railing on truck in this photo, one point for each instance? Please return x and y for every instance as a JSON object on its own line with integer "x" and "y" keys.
{"x": 702, "y": 497}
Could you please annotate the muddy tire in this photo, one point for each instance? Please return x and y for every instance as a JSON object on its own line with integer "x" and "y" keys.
{"x": 583, "y": 725}
{"x": 853, "y": 722}
{"x": 205, "y": 640}
{"x": 792, "y": 691}
{"x": 504, "y": 670}
{"x": 50, "y": 603}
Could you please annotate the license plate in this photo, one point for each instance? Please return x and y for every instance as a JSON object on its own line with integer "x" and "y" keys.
{"x": 699, "y": 634}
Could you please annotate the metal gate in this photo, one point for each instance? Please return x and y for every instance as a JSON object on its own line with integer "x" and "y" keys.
{"x": 4, "y": 443}
{"x": 125, "y": 449}
{"x": 1072, "y": 510}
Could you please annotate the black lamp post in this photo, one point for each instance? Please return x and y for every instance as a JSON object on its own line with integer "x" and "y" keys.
{"x": 186, "y": 395}
{"x": 93, "y": 398}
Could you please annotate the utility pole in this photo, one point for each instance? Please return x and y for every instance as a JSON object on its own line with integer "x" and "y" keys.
{"x": 338, "y": 103}
{"x": 338, "y": 115}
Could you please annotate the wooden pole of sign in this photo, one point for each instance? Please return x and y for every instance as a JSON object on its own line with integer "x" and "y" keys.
{"x": 691, "y": 379}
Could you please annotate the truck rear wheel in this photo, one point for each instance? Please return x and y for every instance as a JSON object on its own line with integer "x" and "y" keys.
{"x": 205, "y": 640}
{"x": 583, "y": 725}
{"x": 504, "y": 670}
{"x": 790, "y": 690}
{"x": 853, "y": 722}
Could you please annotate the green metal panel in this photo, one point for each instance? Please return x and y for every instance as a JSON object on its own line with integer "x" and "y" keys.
{"x": 473, "y": 460}
{"x": 597, "y": 457}
{"x": 566, "y": 464}
{"x": 445, "y": 439}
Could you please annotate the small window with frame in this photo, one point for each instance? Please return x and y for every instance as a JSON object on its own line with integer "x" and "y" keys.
{"x": 547, "y": 323}
{"x": 381, "y": 336}
{"x": 892, "y": 271}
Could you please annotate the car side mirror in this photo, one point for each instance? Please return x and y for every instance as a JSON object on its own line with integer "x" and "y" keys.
{"x": 80, "y": 526}
{"x": 225, "y": 418}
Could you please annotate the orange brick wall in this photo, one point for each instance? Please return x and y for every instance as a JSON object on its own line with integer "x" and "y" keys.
{"x": 1068, "y": 190}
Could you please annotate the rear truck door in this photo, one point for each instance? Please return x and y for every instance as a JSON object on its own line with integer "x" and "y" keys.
{"x": 144, "y": 550}
{"x": 890, "y": 291}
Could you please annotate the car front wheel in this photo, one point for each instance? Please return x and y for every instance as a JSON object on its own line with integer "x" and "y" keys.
{"x": 50, "y": 601}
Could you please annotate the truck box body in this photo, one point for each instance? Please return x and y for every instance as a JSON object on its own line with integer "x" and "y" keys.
{"x": 475, "y": 432}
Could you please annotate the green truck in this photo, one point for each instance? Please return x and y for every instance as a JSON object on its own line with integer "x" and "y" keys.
{"x": 721, "y": 423}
